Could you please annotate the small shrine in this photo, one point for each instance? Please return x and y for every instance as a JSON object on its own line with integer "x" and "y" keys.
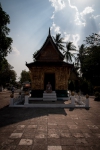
{"x": 49, "y": 66}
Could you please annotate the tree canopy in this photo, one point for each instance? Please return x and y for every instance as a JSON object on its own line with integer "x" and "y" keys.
{"x": 7, "y": 74}
{"x": 59, "y": 41}
{"x": 25, "y": 76}
{"x": 93, "y": 40}
{"x": 68, "y": 51}
{"x": 90, "y": 59}
{"x": 5, "y": 41}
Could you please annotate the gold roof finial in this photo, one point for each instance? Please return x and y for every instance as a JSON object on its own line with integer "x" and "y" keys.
{"x": 49, "y": 32}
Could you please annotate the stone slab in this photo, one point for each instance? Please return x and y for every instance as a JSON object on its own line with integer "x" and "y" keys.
{"x": 25, "y": 142}
{"x": 54, "y": 148}
{"x": 16, "y": 135}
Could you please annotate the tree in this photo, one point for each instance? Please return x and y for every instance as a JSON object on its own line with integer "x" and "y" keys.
{"x": 79, "y": 58}
{"x": 93, "y": 40}
{"x": 80, "y": 55}
{"x": 13, "y": 77}
{"x": 71, "y": 86}
{"x": 91, "y": 61}
{"x": 59, "y": 41}
{"x": 25, "y": 76}
{"x": 67, "y": 53}
{"x": 5, "y": 42}
{"x": 7, "y": 75}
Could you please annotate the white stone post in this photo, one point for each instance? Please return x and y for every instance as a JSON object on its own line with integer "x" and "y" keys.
{"x": 72, "y": 99}
{"x": 87, "y": 101}
{"x": 20, "y": 96}
{"x": 26, "y": 100}
{"x": 11, "y": 100}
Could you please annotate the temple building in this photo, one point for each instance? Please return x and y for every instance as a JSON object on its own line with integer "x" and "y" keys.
{"x": 49, "y": 66}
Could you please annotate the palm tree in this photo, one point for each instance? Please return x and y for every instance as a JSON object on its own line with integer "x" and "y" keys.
{"x": 80, "y": 55}
{"x": 67, "y": 53}
{"x": 59, "y": 41}
{"x": 80, "y": 58}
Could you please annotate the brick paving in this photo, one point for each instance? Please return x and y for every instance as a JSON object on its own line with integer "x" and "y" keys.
{"x": 50, "y": 128}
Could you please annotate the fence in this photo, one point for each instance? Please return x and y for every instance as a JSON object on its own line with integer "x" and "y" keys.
{"x": 75, "y": 101}
{"x": 17, "y": 99}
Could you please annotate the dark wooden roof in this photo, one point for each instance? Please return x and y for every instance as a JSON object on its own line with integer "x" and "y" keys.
{"x": 50, "y": 48}
{"x": 38, "y": 64}
{"x": 42, "y": 58}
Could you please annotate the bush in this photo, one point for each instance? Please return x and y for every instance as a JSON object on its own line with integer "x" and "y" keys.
{"x": 71, "y": 86}
{"x": 97, "y": 96}
{"x": 97, "y": 88}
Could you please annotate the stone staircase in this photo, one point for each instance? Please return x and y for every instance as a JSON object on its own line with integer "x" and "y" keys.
{"x": 49, "y": 96}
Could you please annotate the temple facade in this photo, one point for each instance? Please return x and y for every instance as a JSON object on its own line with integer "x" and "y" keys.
{"x": 49, "y": 66}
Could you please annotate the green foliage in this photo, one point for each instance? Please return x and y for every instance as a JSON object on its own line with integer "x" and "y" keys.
{"x": 71, "y": 86}
{"x": 84, "y": 87}
{"x": 97, "y": 96}
{"x": 97, "y": 88}
{"x": 35, "y": 54}
{"x": 80, "y": 56}
{"x": 89, "y": 59}
{"x": 7, "y": 75}
{"x": 93, "y": 40}
{"x": 25, "y": 76}
{"x": 5, "y": 42}
{"x": 77, "y": 86}
{"x": 59, "y": 41}
{"x": 68, "y": 51}
{"x": 91, "y": 65}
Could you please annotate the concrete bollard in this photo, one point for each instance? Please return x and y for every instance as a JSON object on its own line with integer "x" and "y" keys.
{"x": 11, "y": 102}
{"x": 26, "y": 100}
{"x": 72, "y": 99}
{"x": 87, "y": 101}
{"x": 11, "y": 99}
{"x": 20, "y": 96}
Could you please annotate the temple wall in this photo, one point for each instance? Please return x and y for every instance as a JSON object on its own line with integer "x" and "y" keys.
{"x": 61, "y": 77}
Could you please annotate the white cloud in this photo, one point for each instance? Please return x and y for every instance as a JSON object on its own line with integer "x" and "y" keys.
{"x": 74, "y": 7}
{"x": 77, "y": 15}
{"x": 57, "y": 4}
{"x": 52, "y": 17}
{"x": 85, "y": 19}
{"x": 66, "y": 37}
{"x": 72, "y": 38}
{"x": 95, "y": 17}
{"x": 55, "y": 28}
{"x": 15, "y": 51}
{"x": 76, "y": 39}
{"x": 87, "y": 10}
{"x": 78, "y": 20}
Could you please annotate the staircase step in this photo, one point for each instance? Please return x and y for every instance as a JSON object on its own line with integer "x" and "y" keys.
{"x": 49, "y": 96}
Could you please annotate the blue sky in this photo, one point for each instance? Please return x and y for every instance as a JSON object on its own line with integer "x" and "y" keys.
{"x": 30, "y": 21}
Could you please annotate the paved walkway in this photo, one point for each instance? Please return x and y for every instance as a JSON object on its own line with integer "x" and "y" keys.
{"x": 50, "y": 129}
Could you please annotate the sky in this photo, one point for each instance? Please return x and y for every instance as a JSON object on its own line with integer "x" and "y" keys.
{"x": 30, "y": 21}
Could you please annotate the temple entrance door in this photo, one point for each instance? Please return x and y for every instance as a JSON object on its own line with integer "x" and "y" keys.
{"x": 49, "y": 77}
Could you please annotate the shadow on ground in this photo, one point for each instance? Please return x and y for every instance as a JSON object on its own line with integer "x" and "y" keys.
{"x": 9, "y": 115}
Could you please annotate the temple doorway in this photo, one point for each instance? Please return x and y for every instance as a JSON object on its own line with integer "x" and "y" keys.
{"x": 49, "y": 77}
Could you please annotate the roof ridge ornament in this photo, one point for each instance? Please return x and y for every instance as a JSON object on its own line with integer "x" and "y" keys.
{"x": 49, "y": 32}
